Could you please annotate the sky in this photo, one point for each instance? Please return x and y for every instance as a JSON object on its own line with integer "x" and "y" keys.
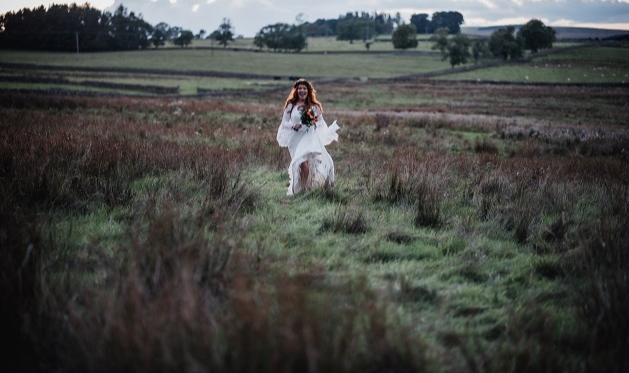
{"x": 247, "y": 17}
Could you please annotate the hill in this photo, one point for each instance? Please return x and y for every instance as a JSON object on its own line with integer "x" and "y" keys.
{"x": 563, "y": 33}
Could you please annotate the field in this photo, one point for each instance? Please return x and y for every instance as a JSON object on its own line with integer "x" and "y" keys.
{"x": 474, "y": 226}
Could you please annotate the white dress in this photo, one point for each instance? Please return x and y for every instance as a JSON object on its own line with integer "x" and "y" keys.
{"x": 307, "y": 144}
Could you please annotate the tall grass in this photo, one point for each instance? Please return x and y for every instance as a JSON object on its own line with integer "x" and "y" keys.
{"x": 155, "y": 235}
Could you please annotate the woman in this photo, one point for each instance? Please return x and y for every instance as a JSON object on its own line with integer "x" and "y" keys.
{"x": 306, "y": 134}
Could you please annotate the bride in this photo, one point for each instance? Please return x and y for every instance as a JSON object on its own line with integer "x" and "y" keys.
{"x": 305, "y": 133}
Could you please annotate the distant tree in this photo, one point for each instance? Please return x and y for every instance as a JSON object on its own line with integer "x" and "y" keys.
{"x": 281, "y": 36}
{"x": 450, "y": 20}
{"x": 258, "y": 40}
{"x": 536, "y": 35}
{"x": 421, "y": 22}
{"x": 440, "y": 40}
{"x": 129, "y": 31}
{"x": 295, "y": 40}
{"x": 164, "y": 28}
{"x": 224, "y": 33}
{"x": 272, "y": 36}
{"x": 480, "y": 50}
{"x": 355, "y": 29}
{"x": 74, "y": 28}
{"x": 503, "y": 43}
{"x": 158, "y": 38}
{"x": 459, "y": 49}
{"x": 404, "y": 37}
{"x": 383, "y": 24}
{"x": 319, "y": 28}
{"x": 184, "y": 38}
{"x": 200, "y": 34}
{"x": 397, "y": 20}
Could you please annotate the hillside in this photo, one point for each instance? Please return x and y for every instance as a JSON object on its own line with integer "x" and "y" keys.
{"x": 563, "y": 33}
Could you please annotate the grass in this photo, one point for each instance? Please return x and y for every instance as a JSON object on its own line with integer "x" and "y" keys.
{"x": 468, "y": 231}
{"x": 190, "y": 71}
{"x": 327, "y": 44}
{"x": 583, "y": 65}
{"x": 262, "y": 63}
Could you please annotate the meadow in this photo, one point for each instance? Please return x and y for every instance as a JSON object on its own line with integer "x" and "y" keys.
{"x": 474, "y": 227}
{"x": 202, "y": 69}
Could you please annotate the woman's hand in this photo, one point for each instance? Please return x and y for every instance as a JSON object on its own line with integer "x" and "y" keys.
{"x": 296, "y": 127}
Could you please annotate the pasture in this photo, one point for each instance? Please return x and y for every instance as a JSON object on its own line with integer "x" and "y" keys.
{"x": 474, "y": 227}
{"x": 201, "y": 71}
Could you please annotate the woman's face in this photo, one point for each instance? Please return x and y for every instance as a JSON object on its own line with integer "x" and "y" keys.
{"x": 302, "y": 92}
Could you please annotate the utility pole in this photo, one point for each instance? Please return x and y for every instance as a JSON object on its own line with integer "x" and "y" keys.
{"x": 76, "y": 33}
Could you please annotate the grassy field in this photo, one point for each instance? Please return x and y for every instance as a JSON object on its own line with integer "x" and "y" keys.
{"x": 264, "y": 63}
{"x": 244, "y": 68}
{"x": 473, "y": 228}
{"x": 585, "y": 65}
{"x": 326, "y": 44}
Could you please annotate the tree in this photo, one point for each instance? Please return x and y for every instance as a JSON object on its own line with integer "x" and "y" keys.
{"x": 272, "y": 36}
{"x": 503, "y": 43}
{"x": 224, "y": 33}
{"x": 404, "y": 37}
{"x": 536, "y": 35}
{"x": 295, "y": 40}
{"x": 440, "y": 39}
{"x": 184, "y": 38}
{"x": 421, "y": 22}
{"x": 480, "y": 50}
{"x": 281, "y": 36}
{"x": 158, "y": 38}
{"x": 129, "y": 31}
{"x": 165, "y": 29}
{"x": 383, "y": 23}
{"x": 459, "y": 50}
{"x": 450, "y": 20}
{"x": 355, "y": 29}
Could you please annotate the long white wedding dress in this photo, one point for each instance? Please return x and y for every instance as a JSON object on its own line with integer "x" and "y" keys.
{"x": 307, "y": 144}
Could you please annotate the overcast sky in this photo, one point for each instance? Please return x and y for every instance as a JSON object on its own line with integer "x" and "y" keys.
{"x": 249, "y": 16}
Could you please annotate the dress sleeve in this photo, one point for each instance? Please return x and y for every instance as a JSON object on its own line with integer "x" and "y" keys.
{"x": 326, "y": 133}
{"x": 285, "y": 131}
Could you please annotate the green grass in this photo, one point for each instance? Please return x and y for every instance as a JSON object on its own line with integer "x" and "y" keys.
{"x": 263, "y": 63}
{"x": 206, "y": 238}
{"x": 325, "y": 44}
{"x": 583, "y": 65}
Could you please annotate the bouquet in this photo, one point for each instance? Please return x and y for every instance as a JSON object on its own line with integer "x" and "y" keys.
{"x": 309, "y": 118}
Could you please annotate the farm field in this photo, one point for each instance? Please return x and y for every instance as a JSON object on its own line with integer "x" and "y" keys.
{"x": 472, "y": 228}
{"x": 583, "y": 65}
{"x": 206, "y": 71}
{"x": 242, "y": 62}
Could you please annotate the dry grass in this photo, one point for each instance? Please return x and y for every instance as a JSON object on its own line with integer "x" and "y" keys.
{"x": 435, "y": 200}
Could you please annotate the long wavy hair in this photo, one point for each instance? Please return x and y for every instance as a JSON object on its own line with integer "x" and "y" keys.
{"x": 311, "y": 99}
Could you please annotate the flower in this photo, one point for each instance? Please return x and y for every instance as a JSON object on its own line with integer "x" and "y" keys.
{"x": 309, "y": 117}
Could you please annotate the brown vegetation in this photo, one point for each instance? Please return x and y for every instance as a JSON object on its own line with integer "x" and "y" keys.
{"x": 185, "y": 287}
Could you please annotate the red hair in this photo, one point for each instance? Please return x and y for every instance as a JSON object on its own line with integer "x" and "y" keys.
{"x": 311, "y": 99}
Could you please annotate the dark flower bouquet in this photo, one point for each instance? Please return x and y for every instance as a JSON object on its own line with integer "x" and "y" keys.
{"x": 309, "y": 117}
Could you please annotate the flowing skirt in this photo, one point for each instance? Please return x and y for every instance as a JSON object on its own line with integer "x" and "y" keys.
{"x": 308, "y": 144}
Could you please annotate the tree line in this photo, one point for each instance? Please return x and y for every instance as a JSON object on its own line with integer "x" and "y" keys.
{"x": 504, "y": 43}
{"x": 72, "y": 27}
{"x": 81, "y": 27}
{"x": 68, "y": 27}
{"x": 352, "y": 26}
